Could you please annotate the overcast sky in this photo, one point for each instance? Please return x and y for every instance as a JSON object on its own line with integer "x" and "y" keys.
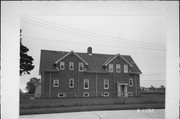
{"x": 142, "y": 37}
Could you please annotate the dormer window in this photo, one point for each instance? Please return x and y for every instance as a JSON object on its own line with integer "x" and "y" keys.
{"x": 118, "y": 68}
{"x": 62, "y": 66}
{"x": 71, "y": 65}
{"x": 81, "y": 66}
{"x": 110, "y": 67}
{"x": 125, "y": 68}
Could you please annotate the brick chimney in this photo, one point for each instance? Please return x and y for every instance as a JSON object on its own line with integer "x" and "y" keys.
{"x": 89, "y": 50}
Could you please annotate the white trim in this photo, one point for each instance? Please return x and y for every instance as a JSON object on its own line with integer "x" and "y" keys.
{"x": 86, "y": 94}
{"x": 69, "y": 54}
{"x": 106, "y": 83}
{"x": 120, "y": 57}
{"x": 118, "y": 66}
{"x": 126, "y": 68}
{"x": 106, "y": 94}
{"x": 130, "y": 81}
{"x": 71, "y": 64}
{"x": 60, "y": 95}
{"x": 81, "y": 64}
{"x": 86, "y": 80}
{"x": 62, "y": 64}
{"x": 70, "y": 83}
{"x": 56, "y": 82}
{"x": 111, "y": 68}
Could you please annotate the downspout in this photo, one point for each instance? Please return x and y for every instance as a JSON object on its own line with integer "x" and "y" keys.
{"x": 78, "y": 82}
{"x": 96, "y": 84}
{"x": 114, "y": 83}
{"x": 135, "y": 84}
{"x": 50, "y": 85}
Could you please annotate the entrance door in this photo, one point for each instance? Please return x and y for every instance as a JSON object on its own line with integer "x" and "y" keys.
{"x": 122, "y": 90}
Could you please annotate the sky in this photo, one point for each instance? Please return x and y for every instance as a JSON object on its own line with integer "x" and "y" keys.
{"x": 142, "y": 37}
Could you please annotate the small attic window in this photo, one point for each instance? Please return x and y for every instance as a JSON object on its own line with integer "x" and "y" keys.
{"x": 62, "y": 66}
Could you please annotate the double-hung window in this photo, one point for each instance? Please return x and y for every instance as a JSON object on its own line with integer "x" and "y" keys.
{"x": 56, "y": 83}
{"x": 125, "y": 68}
{"x": 106, "y": 84}
{"x": 71, "y": 65}
{"x": 130, "y": 82}
{"x": 81, "y": 66}
{"x": 71, "y": 83}
{"x": 118, "y": 68}
{"x": 86, "y": 84}
{"x": 62, "y": 65}
{"x": 110, "y": 67}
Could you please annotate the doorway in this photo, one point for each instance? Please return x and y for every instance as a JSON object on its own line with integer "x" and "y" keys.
{"x": 122, "y": 90}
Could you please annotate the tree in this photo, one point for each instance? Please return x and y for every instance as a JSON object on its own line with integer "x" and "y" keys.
{"x": 31, "y": 85}
{"x": 26, "y": 61}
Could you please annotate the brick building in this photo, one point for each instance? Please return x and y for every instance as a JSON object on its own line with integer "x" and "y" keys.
{"x": 75, "y": 74}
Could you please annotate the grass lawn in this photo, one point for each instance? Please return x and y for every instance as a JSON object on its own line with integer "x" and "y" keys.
{"x": 91, "y": 108}
{"x": 40, "y": 106}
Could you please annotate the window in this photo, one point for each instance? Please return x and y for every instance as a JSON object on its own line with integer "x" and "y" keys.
{"x": 106, "y": 84}
{"x": 86, "y": 84}
{"x": 71, "y": 65}
{"x": 85, "y": 94}
{"x": 129, "y": 94}
{"x": 110, "y": 67}
{"x": 61, "y": 95}
{"x": 56, "y": 83}
{"x": 81, "y": 66}
{"x": 118, "y": 68}
{"x": 130, "y": 82}
{"x": 106, "y": 94}
{"x": 62, "y": 66}
{"x": 71, "y": 83}
{"x": 125, "y": 68}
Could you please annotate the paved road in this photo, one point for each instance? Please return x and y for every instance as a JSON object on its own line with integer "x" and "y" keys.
{"x": 117, "y": 114}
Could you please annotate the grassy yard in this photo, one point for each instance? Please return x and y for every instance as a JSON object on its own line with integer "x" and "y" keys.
{"x": 86, "y": 104}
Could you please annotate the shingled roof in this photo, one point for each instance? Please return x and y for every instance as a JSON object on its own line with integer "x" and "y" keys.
{"x": 95, "y": 61}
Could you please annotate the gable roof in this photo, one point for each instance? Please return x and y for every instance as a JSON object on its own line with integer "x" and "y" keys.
{"x": 69, "y": 54}
{"x": 95, "y": 62}
{"x": 118, "y": 55}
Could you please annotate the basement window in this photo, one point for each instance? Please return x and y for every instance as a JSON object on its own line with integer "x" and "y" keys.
{"x": 85, "y": 94}
{"x": 106, "y": 94}
{"x": 129, "y": 94}
{"x": 60, "y": 95}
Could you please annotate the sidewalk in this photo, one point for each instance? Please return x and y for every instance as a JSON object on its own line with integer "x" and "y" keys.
{"x": 118, "y": 114}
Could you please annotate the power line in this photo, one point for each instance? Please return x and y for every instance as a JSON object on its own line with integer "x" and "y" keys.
{"x": 38, "y": 23}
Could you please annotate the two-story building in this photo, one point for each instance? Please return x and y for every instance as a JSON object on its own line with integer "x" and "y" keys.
{"x": 75, "y": 74}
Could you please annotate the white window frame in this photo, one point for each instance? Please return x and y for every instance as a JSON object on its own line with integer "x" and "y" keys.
{"x": 71, "y": 64}
{"x": 81, "y": 65}
{"x": 63, "y": 95}
{"x": 56, "y": 82}
{"x": 86, "y": 80}
{"x": 106, "y": 83}
{"x": 106, "y": 94}
{"x": 110, "y": 67}
{"x": 130, "y": 94}
{"x": 130, "y": 80}
{"x": 62, "y": 64}
{"x": 118, "y": 66}
{"x": 70, "y": 83}
{"x": 125, "y": 68}
{"x": 86, "y": 94}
